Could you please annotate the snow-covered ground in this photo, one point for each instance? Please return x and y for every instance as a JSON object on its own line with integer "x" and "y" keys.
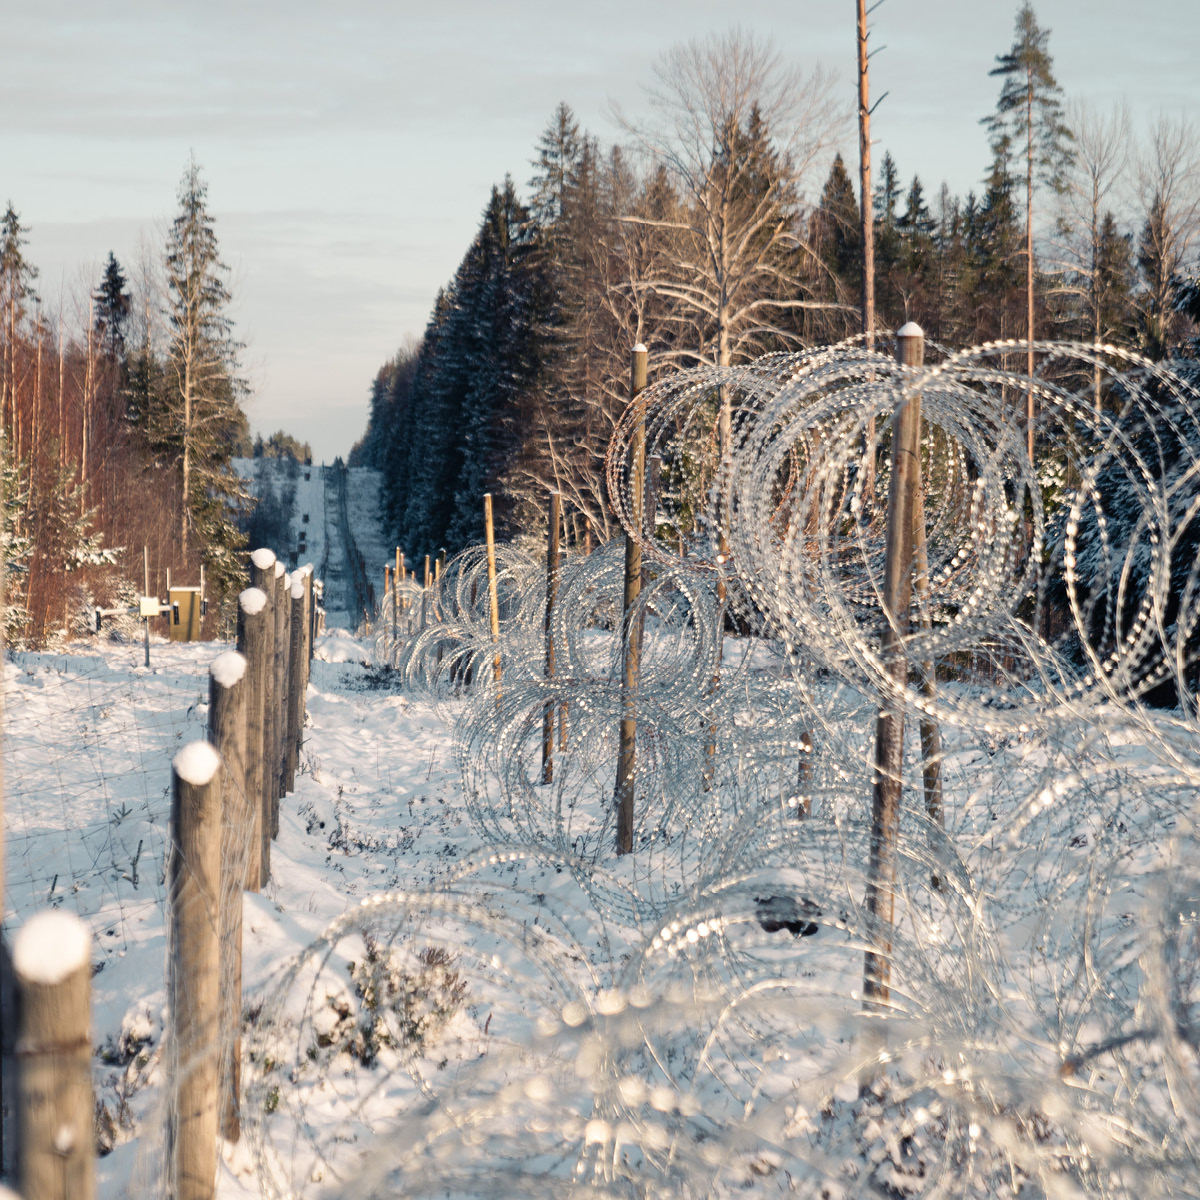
{"x": 487, "y": 1012}
{"x": 89, "y": 740}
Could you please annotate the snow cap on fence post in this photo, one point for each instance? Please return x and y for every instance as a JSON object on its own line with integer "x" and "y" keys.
{"x": 228, "y": 668}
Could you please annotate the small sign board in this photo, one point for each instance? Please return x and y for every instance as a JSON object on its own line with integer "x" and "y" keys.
{"x": 148, "y": 606}
{"x": 184, "y": 617}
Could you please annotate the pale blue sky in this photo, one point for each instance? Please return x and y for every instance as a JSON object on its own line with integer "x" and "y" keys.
{"x": 350, "y": 148}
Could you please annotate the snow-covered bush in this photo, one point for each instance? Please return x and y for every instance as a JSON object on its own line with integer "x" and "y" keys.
{"x": 401, "y": 1000}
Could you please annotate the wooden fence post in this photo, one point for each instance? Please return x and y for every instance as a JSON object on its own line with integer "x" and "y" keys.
{"x": 254, "y": 627}
{"x": 631, "y": 628}
{"x": 227, "y": 731}
{"x": 397, "y": 576}
{"x": 262, "y": 576}
{"x": 489, "y": 529}
{"x": 194, "y": 884}
{"x": 295, "y": 711}
{"x": 889, "y": 726}
{"x": 308, "y": 636}
{"x": 279, "y": 695}
{"x": 552, "y": 549}
{"x": 55, "y": 1105}
{"x": 310, "y": 602}
{"x": 146, "y": 592}
{"x": 931, "y": 734}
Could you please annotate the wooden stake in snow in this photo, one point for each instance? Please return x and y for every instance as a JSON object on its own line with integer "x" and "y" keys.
{"x": 279, "y": 714}
{"x": 552, "y": 552}
{"x": 55, "y": 1105}
{"x": 627, "y": 750}
{"x": 493, "y": 593}
{"x": 254, "y": 627}
{"x": 227, "y": 689}
{"x": 889, "y": 727}
{"x": 146, "y": 592}
{"x": 295, "y": 696}
{"x": 397, "y": 577}
{"x": 194, "y": 882}
{"x": 931, "y": 734}
{"x": 262, "y": 577}
{"x": 310, "y": 609}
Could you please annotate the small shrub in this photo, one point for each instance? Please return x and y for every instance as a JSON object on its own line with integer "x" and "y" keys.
{"x": 405, "y": 1000}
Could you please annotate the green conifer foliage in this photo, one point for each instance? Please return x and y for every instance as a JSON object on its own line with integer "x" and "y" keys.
{"x": 198, "y": 420}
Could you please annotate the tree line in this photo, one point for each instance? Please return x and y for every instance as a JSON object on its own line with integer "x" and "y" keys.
{"x": 726, "y": 225}
{"x": 119, "y": 422}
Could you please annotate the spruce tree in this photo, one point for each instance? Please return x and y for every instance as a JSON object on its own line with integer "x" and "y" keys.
{"x": 199, "y": 421}
{"x": 17, "y": 277}
{"x": 889, "y": 283}
{"x": 835, "y": 239}
{"x": 111, "y": 310}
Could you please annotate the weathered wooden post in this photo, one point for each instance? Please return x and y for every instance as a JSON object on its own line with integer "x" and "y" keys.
{"x": 428, "y": 577}
{"x": 889, "y": 727}
{"x": 397, "y": 578}
{"x": 262, "y": 576}
{"x": 227, "y": 731}
{"x": 552, "y": 551}
{"x": 931, "y": 734}
{"x": 631, "y": 628}
{"x": 310, "y": 607}
{"x": 308, "y": 632}
{"x": 279, "y": 694}
{"x": 194, "y": 885}
{"x": 493, "y": 587}
{"x": 146, "y": 592}
{"x": 254, "y": 627}
{"x": 55, "y": 1105}
{"x": 295, "y": 711}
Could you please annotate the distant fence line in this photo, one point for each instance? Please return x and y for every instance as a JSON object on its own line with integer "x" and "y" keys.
{"x": 225, "y": 814}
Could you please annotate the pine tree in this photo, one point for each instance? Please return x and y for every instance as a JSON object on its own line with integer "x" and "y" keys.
{"x": 198, "y": 420}
{"x": 1029, "y": 118}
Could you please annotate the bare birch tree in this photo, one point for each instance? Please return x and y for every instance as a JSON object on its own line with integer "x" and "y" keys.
{"x": 1091, "y": 250}
{"x": 1168, "y": 182}
{"x": 739, "y": 133}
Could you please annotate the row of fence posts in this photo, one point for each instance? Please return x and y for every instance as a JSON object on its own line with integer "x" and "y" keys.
{"x": 224, "y": 815}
